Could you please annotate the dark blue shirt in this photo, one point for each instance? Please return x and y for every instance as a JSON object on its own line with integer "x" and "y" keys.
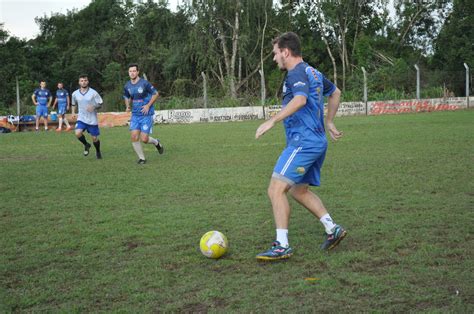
{"x": 140, "y": 93}
{"x": 42, "y": 96}
{"x": 306, "y": 126}
{"x": 61, "y": 96}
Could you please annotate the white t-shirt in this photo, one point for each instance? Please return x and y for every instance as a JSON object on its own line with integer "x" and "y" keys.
{"x": 90, "y": 97}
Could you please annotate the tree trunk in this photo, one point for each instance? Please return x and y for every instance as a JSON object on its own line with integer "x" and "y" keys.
{"x": 230, "y": 59}
{"x": 262, "y": 73}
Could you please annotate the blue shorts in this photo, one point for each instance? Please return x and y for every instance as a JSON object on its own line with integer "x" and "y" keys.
{"x": 41, "y": 111}
{"x": 92, "y": 129}
{"x": 300, "y": 165}
{"x": 142, "y": 123}
{"x": 62, "y": 109}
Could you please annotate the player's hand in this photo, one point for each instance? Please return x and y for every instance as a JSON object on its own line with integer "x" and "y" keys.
{"x": 333, "y": 131}
{"x": 127, "y": 109}
{"x": 264, "y": 127}
{"x": 145, "y": 109}
{"x": 90, "y": 108}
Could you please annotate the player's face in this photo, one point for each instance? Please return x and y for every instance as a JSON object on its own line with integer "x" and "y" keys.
{"x": 133, "y": 73}
{"x": 43, "y": 85}
{"x": 83, "y": 82}
{"x": 60, "y": 86}
{"x": 279, "y": 57}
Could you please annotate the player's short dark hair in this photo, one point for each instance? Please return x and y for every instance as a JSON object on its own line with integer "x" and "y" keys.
{"x": 289, "y": 40}
{"x": 83, "y": 76}
{"x": 131, "y": 65}
{"x": 60, "y": 82}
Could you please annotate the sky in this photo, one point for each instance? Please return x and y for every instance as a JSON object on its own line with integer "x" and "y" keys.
{"x": 18, "y": 16}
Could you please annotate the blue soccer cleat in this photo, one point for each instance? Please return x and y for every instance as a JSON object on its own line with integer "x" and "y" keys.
{"x": 276, "y": 252}
{"x": 332, "y": 240}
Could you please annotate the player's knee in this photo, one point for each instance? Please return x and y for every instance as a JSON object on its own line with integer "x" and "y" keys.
{"x": 276, "y": 189}
{"x": 144, "y": 138}
{"x": 298, "y": 191}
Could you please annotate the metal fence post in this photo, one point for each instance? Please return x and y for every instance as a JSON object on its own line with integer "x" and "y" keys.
{"x": 365, "y": 91}
{"x": 204, "y": 86}
{"x": 467, "y": 84}
{"x": 262, "y": 87}
{"x": 18, "y": 103}
{"x": 417, "y": 81}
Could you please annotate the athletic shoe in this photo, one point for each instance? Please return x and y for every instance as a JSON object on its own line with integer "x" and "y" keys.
{"x": 141, "y": 161}
{"x": 58, "y": 130}
{"x": 276, "y": 252}
{"x": 160, "y": 148}
{"x": 98, "y": 155}
{"x": 86, "y": 149}
{"x": 69, "y": 128}
{"x": 332, "y": 240}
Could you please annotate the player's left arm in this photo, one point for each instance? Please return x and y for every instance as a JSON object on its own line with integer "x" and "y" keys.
{"x": 334, "y": 97}
{"x": 153, "y": 98}
{"x": 96, "y": 104}
{"x": 98, "y": 101}
{"x": 68, "y": 101}
{"x": 50, "y": 99}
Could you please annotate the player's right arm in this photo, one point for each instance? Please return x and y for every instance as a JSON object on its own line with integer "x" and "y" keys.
{"x": 55, "y": 102}
{"x": 299, "y": 84}
{"x": 73, "y": 104}
{"x": 127, "y": 104}
{"x": 126, "y": 98}
{"x": 33, "y": 97}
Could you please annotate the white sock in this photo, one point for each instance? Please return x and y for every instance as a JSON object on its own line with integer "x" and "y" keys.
{"x": 282, "y": 237}
{"x": 152, "y": 141}
{"x": 137, "y": 146}
{"x": 329, "y": 225}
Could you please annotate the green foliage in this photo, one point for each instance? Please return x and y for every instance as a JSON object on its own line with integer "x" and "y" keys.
{"x": 113, "y": 76}
{"x": 113, "y": 236}
{"x": 453, "y": 47}
{"x": 174, "y": 48}
{"x": 113, "y": 100}
{"x": 185, "y": 88}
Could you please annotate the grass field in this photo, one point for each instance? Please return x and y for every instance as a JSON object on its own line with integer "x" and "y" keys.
{"x": 86, "y": 235}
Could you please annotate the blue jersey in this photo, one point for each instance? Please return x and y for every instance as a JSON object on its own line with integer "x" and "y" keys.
{"x": 42, "y": 96}
{"x": 61, "y": 96}
{"x": 306, "y": 126}
{"x": 140, "y": 93}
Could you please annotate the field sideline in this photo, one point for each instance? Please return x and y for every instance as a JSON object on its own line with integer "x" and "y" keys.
{"x": 87, "y": 235}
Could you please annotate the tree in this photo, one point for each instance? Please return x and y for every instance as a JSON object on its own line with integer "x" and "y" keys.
{"x": 455, "y": 44}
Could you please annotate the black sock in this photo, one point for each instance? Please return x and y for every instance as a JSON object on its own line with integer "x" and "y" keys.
{"x": 97, "y": 146}
{"x": 82, "y": 139}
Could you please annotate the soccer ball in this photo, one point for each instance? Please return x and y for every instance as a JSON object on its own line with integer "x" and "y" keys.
{"x": 214, "y": 244}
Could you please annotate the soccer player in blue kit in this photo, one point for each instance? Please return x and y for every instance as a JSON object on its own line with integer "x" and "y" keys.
{"x": 42, "y": 99}
{"x": 300, "y": 163}
{"x": 62, "y": 100}
{"x": 88, "y": 102}
{"x": 142, "y": 95}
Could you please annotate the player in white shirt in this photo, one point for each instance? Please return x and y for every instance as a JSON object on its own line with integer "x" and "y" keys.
{"x": 88, "y": 102}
